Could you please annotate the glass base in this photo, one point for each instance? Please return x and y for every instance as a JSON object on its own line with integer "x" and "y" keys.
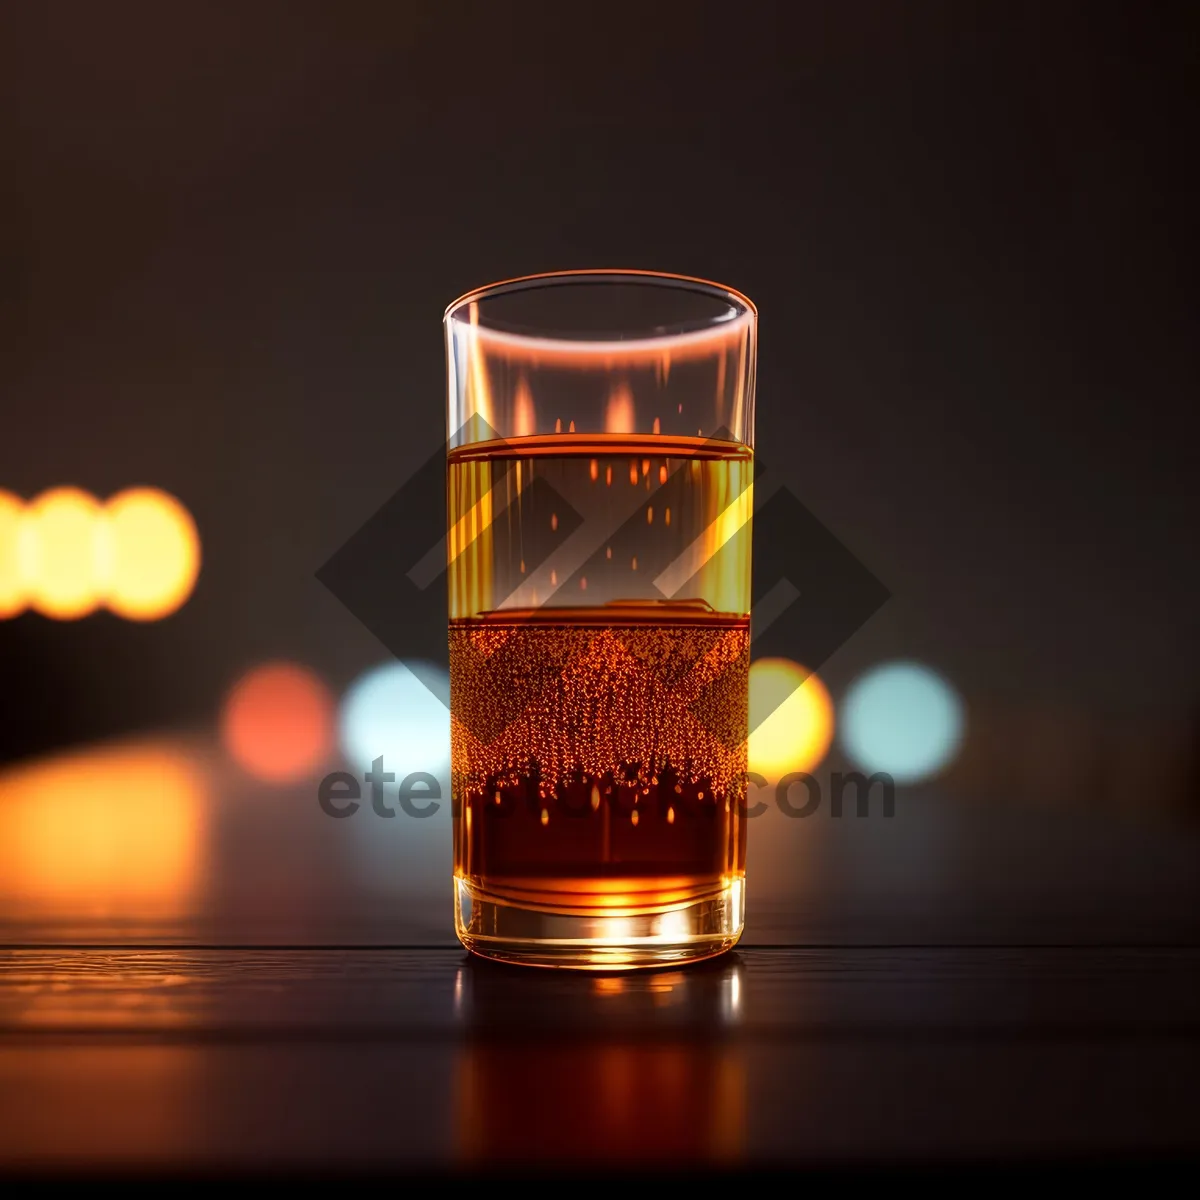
{"x": 497, "y": 928}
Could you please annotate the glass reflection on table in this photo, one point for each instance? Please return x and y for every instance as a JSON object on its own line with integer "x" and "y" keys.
{"x": 608, "y": 1068}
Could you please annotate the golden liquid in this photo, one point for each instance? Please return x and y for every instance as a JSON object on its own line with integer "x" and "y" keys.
{"x": 599, "y": 739}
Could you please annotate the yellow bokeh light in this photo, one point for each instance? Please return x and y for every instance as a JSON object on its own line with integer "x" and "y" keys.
{"x": 149, "y": 554}
{"x": 64, "y": 569}
{"x": 796, "y": 735}
{"x": 111, "y": 832}
{"x": 65, "y": 555}
{"x": 15, "y": 546}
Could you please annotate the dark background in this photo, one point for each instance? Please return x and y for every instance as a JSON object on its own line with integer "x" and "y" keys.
{"x": 232, "y": 230}
{"x": 228, "y": 233}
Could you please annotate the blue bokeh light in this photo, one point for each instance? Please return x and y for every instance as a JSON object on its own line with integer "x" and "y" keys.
{"x": 902, "y": 718}
{"x": 397, "y": 711}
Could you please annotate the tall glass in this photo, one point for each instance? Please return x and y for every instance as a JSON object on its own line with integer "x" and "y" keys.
{"x": 599, "y": 505}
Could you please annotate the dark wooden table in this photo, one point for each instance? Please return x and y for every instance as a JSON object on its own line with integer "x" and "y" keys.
{"x": 421, "y": 1058}
{"x": 267, "y": 999}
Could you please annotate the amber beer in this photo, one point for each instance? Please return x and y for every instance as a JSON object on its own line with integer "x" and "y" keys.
{"x": 599, "y": 712}
{"x": 600, "y": 426}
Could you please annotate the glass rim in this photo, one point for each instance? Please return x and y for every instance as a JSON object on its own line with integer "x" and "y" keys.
{"x": 464, "y": 312}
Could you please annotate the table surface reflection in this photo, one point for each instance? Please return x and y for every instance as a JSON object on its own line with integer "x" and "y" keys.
{"x": 199, "y": 975}
{"x": 425, "y": 1058}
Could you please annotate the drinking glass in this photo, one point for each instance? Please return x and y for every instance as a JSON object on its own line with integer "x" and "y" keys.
{"x": 600, "y": 471}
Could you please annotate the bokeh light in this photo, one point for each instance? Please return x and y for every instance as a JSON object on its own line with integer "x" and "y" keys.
{"x": 112, "y": 832}
{"x": 65, "y": 568}
{"x": 14, "y": 556}
{"x": 397, "y": 711}
{"x": 150, "y": 554}
{"x": 65, "y": 555}
{"x": 278, "y": 723}
{"x": 902, "y": 718}
{"x": 796, "y": 734}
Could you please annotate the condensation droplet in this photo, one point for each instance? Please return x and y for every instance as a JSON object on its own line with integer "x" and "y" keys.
{"x": 633, "y": 817}
{"x": 671, "y": 816}
{"x": 545, "y": 817}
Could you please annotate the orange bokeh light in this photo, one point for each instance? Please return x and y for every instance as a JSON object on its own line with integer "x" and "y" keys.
{"x": 112, "y": 831}
{"x": 64, "y": 551}
{"x": 150, "y": 554}
{"x": 277, "y": 722}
